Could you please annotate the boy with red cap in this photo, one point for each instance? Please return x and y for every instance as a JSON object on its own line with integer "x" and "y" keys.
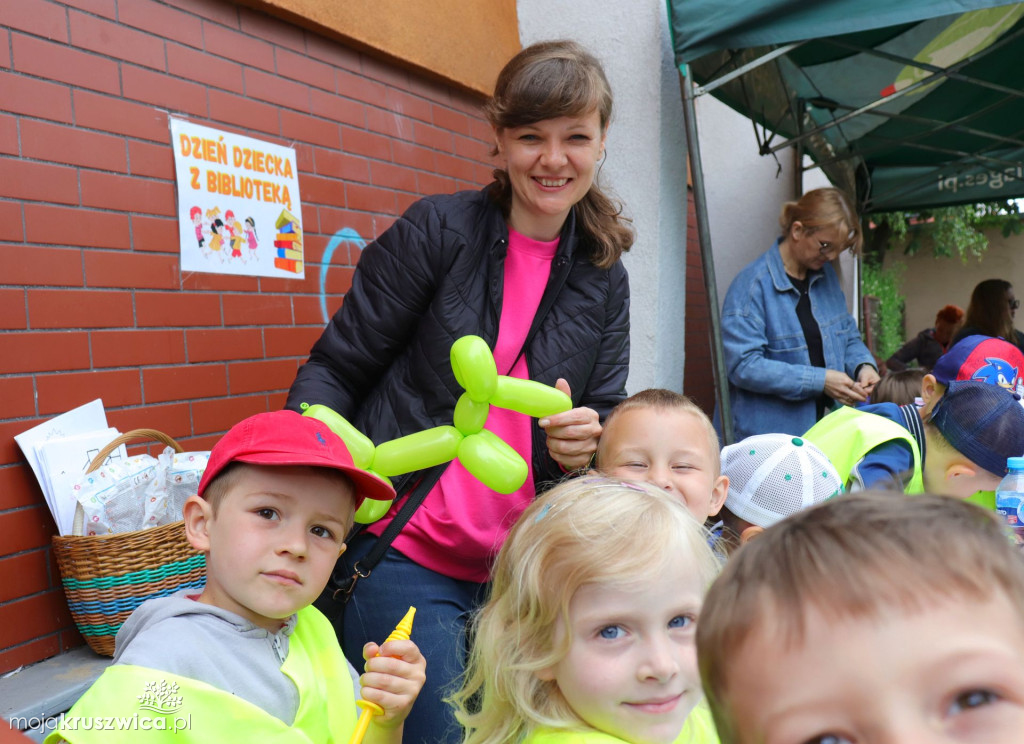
{"x": 249, "y": 658}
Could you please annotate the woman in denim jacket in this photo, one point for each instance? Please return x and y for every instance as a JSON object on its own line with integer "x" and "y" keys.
{"x": 792, "y": 350}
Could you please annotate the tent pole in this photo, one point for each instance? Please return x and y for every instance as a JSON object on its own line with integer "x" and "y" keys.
{"x": 707, "y": 260}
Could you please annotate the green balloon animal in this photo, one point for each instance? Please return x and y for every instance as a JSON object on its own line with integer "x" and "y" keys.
{"x": 490, "y": 460}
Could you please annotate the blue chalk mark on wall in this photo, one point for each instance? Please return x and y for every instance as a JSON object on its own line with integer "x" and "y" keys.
{"x": 344, "y": 235}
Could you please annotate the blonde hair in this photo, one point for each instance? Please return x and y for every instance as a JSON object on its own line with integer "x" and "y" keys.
{"x": 588, "y": 530}
{"x": 549, "y": 80}
{"x": 855, "y": 557}
{"x": 823, "y": 208}
{"x": 665, "y": 400}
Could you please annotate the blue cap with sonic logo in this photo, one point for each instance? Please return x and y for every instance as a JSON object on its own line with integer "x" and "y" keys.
{"x": 982, "y": 359}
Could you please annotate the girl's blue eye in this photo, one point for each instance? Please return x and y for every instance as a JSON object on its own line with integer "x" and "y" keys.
{"x": 680, "y": 621}
{"x": 612, "y": 632}
{"x": 972, "y": 699}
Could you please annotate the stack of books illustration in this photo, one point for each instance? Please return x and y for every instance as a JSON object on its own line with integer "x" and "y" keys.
{"x": 288, "y": 243}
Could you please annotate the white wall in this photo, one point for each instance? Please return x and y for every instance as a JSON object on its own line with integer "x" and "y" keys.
{"x": 646, "y": 163}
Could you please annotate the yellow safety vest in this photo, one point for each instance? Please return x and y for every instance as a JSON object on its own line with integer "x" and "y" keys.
{"x": 846, "y": 435}
{"x": 698, "y": 729}
{"x": 131, "y": 703}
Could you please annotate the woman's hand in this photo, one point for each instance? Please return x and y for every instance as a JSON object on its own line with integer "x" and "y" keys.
{"x": 840, "y": 387}
{"x": 573, "y": 435}
{"x": 868, "y": 378}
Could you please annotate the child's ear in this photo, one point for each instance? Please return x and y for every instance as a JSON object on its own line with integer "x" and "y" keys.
{"x": 718, "y": 493}
{"x": 547, "y": 674}
{"x": 341, "y": 552}
{"x": 929, "y": 388}
{"x": 750, "y": 533}
{"x": 956, "y": 471}
{"x": 198, "y": 514}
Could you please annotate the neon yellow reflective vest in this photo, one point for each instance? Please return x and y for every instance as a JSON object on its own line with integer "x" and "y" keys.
{"x": 846, "y": 435}
{"x": 131, "y": 703}
{"x": 698, "y": 729}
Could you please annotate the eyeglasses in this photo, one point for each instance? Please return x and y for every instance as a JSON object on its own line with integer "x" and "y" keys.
{"x": 1014, "y": 304}
{"x": 826, "y": 248}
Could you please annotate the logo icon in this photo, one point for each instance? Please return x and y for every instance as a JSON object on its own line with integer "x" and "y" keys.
{"x": 160, "y": 697}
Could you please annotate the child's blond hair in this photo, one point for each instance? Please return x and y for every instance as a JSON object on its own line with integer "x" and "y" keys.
{"x": 588, "y": 530}
{"x": 857, "y": 556}
{"x": 666, "y": 400}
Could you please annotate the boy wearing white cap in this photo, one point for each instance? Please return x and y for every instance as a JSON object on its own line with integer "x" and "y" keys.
{"x": 771, "y": 476}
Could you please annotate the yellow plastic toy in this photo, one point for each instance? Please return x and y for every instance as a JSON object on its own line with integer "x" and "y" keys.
{"x": 402, "y": 632}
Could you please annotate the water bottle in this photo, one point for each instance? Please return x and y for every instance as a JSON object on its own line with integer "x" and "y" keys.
{"x": 1010, "y": 498}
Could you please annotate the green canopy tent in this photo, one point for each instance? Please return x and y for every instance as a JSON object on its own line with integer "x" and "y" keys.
{"x": 909, "y": 104}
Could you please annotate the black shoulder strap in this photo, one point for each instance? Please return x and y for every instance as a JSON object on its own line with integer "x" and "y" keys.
{"x": 343, "y": 586}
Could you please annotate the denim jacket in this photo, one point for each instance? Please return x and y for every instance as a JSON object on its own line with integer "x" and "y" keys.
{"x": 772, "y": 385}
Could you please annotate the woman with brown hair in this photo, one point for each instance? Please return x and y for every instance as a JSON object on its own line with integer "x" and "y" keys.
{"x": 531, "y": 264}
{"x": 991, "y": 312}
{"x": 931, "y": 343}
{"x": 792, "y": 349}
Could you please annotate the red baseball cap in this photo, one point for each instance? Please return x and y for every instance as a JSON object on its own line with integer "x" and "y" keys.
{"x": 288, "y": 438}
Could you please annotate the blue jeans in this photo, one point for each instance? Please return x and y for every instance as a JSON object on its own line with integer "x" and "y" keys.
{"x": 443, "y": 608}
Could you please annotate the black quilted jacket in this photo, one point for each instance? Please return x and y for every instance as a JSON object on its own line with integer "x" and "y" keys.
{"x": 437, "y": 275}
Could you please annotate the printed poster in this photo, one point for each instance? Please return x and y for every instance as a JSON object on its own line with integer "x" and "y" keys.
{"x": 238, "y": 204}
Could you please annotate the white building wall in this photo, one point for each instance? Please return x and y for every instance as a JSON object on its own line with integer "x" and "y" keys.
{"x": 646, "y": 163}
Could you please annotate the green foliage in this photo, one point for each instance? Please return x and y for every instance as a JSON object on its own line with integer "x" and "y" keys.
{"x": 886, "y": 286}
{"x": 953, "y": 231}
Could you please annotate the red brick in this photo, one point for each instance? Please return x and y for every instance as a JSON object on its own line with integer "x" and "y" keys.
{"x": 360, "y": 142}
{"x": 162, "y": 21}
{"x": 431, "y": 184}
{"x": 466, "y": 147}
{"x": 5, "y": 49}
{"x": 302, "y": 68}
{"x": 389, "y": 123}
{"x": 481, "y": 130}
{"x": 12, "y": 311}
{"x": 409, "y": 105}
{"x": 38, "y": 181}
{"x": 23, "y": 529}
{"x": 29, "y": 653}
{"x": 127, "y": 193}
{"x": 308, "y": 312}
{"x": 431, "y": 136}
{"x": 223, "y": 344}
{"x": 332, "y": 52}
{"x": 254, "y": 377}
{"x": 484, "y": 174}
{"x": 137, "y": 347}
{"x": 238, "y": 47}
{"x": 454, "y": 121}
{"x": 82, "y": 308}
{"x": 116, "y": 40}
{"x": 64, "y": 391}
{"x": 61, "y": 144}
{"x": 290, "y": 342}
{"x": 18, "y": 485}
{"x": 41, "y": 266}
{"x": 226, "y": 15}
{"x": 16, "y": 393}
{"x": 198, "y": 281}
{"x": 155, "y": 234}
{"x": 151, "y": 160}
{"x": 433, "y": 89}
{"x": 184, "y": 382}
{"x": 105, "y": 8}
{"x": 316, "y": 190}
{"x": 360, "y": 87}
{"x": 123, "y": 117}
{"x": 339, "y": 282}
{"x": 66, "y": 64}
{"x": 275, "y": 90}
{"x": 413, "y": 155}
{"x": 25, "y": 574}
{"x": 187, "y": 309}
{"x": 385, "y": 71}
{"x": 8, "y": 135}
{"x": 36, "y": 17}
{"x": 382, "y": 222}
{"x": 310, "y": 129}
{"x": 221, "y": 414}
{"x": 337, "y": 108}
{"x": 369, "y": 199}
{"x": 392, "y": 176}
{"x": 163, "y": 90}
{"x": 341, "y": 165}
{"x": 303, "y": 157}
{"x": 41, "y": 352}
{"x": 455, "y": 167}
{"x": 257, "y": 310}
{"x": 243, "y": 112}
{"x": 262, "y": 26}
{"x": 204, "y": 68}
{"x": 310, "y": 219}
{"x": 334, "y": 220}
{"x": 133, "y": 270}
{"x": 173, "y": 419}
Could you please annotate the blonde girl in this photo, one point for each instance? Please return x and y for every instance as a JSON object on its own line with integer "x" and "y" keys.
{"x": 588, "y": 635}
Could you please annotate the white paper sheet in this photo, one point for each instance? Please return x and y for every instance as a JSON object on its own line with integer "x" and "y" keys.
{"x": 65, "y": 460}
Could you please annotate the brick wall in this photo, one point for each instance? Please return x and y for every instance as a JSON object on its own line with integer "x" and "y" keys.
{"x": 698, "y": 366}
{"x": 92, "y": 303}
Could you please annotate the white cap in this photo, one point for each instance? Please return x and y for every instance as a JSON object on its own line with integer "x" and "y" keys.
{"x": 774, "y": 475}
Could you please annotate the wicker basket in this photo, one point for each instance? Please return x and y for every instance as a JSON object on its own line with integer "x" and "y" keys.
{"x": 107, "y": 576}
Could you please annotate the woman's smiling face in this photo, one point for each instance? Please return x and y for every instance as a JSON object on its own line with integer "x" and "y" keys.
{"x": 551, "y": 165}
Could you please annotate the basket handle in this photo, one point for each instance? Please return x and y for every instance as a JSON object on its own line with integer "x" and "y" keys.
{"x": 101, "y": 456}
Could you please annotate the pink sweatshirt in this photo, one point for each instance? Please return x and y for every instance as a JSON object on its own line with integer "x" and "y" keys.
{"x": 460, "y": 526}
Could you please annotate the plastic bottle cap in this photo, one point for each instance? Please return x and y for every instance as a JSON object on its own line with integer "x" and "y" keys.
{"x": 1015, "y": 463}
